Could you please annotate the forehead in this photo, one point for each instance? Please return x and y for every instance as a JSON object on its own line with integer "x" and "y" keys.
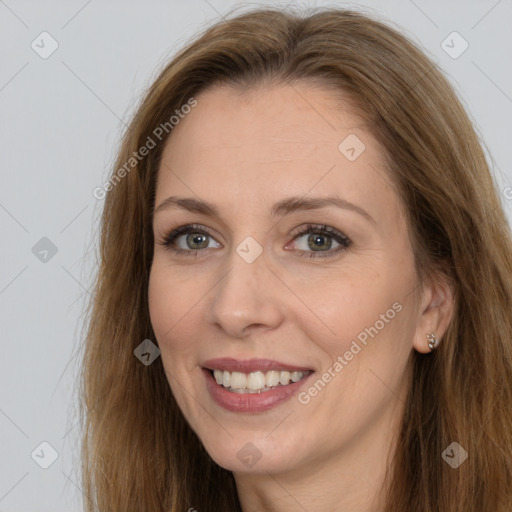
{"x": 270, "y": 141}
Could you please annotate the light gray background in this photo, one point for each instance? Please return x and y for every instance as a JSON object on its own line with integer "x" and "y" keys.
{"x": 61, "y": 121}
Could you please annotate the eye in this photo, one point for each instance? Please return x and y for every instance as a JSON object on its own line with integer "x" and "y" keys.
{"x": 320, "y": 241}
{"x": 189, "y": 239}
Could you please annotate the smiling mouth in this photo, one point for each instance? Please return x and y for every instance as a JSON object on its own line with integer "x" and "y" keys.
{"x": 256, "y": 382}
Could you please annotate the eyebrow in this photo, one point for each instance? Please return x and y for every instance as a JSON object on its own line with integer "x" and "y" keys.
{"x": 280, "y": 209}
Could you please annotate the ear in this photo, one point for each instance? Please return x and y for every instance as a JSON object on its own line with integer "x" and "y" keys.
{"x": 436, "y": 308}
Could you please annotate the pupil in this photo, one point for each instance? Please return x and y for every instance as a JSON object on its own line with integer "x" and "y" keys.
{"x": 318, "y": 241}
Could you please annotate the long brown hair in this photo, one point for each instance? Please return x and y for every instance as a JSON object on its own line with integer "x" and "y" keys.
{"x": 138, "y": 452}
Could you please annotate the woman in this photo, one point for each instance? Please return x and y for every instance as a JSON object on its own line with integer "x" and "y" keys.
{"x": 302, "y": 225}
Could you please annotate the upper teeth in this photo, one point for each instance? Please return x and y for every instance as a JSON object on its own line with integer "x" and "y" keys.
{"x": 255, "y": 380}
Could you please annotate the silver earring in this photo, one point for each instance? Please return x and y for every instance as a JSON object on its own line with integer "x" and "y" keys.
{"x": 433, "y": 342}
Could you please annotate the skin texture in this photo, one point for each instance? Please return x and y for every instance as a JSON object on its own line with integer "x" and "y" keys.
{"x": 244, "y": 153}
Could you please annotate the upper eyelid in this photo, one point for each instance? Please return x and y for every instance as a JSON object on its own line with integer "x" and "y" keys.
{"x": 189, "y": 228}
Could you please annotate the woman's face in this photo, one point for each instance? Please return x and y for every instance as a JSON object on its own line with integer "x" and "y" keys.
{"x": 319, "y": 324}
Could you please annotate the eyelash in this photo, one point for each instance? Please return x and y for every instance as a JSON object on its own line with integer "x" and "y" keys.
{"x": 339, "y": 237}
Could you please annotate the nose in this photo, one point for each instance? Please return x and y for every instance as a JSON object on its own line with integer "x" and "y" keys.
{"x": 247, "y": 298}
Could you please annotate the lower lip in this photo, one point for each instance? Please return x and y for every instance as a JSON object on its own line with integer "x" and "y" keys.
{"x": 251, "y": 402}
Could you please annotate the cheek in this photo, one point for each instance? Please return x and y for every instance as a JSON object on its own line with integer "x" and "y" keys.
{"x": 344, "y": 304}
{"x": 170, "y": 302}
{"x": 160, "y": 301}
{"x": 170, "y": 311}
{"x": 177, "y": 299}
{"x": 369, "y": 314}
{"x": 368, "y": 353}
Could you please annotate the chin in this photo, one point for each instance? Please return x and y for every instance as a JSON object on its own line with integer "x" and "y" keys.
{"x": 257, "y": 457}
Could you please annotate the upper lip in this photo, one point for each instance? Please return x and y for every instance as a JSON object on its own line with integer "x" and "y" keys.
{"x": 251, "y": 365}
